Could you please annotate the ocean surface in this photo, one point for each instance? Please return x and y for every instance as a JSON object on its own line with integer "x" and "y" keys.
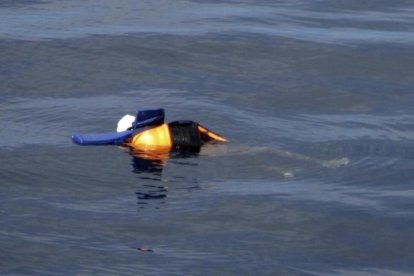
{"x": 316, "y": 98}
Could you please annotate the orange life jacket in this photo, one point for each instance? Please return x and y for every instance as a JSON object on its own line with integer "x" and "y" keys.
{"x": 161, "y": 138}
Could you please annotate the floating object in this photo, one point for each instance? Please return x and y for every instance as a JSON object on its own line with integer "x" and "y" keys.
{"x": 145, "y": 249}
{"x": 125, "y": 123}
{"x": 148, "y": 132}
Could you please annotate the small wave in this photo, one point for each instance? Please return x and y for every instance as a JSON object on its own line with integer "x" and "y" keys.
{"x": 297, "y": 20}
{"x": 365, "y": 198}
{"x": 328, "y": 127}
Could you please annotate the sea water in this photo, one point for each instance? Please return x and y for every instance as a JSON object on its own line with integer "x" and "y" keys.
{"x": 315, "y": 97}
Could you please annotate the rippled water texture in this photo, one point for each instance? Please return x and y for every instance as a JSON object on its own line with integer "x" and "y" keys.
{"x": 315, "y": 98}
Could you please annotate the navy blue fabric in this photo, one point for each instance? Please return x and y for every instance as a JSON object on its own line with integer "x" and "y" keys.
{"x": 149, "y": 117}
{"x": 110, "y": 138}
{"x": 144, "y": 118}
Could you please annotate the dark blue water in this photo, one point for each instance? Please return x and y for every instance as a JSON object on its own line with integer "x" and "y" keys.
{"x": 315, "y": 98}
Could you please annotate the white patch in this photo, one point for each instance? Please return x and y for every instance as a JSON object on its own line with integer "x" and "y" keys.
{"x": 125, "y": 123}
{"x": 336, "y": 163}
{"x": 288, "y": 174}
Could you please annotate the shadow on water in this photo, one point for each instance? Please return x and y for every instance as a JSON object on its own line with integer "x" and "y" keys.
{"x": 149, "y": 166}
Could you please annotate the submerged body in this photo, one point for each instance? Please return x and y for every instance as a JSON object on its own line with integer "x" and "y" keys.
{"x": 147, "y": 132}
{"x": 179, "y": 135}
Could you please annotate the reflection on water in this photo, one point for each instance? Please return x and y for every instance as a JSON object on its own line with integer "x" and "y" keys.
{"x": 315, "y": 96}
{"x": 148, "y": 162}
{"x": 154, "y": 162}
{"x": 151, "y": 194}
{"x": 149, "y": 166}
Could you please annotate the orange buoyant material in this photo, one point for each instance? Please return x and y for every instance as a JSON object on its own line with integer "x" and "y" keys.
{"x": 211, "y": 134}
{"x": 154, "y": 139}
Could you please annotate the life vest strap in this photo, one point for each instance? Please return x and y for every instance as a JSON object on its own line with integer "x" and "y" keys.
{"x": 185, "y": 135}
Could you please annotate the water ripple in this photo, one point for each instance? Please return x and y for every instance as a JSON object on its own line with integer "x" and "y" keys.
{"x": 363, "y": 198}
{"x": 299, "y": 20}
{"x": 53, "y": 120}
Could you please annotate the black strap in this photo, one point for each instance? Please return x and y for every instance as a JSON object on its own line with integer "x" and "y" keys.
{"x": 185, "y": 135}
